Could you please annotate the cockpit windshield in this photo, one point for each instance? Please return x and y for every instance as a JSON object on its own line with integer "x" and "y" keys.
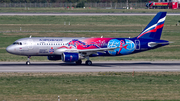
{"x": 17, "y": 43}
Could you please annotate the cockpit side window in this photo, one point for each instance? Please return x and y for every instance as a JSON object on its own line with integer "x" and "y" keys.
{"x": 17, "y": 43}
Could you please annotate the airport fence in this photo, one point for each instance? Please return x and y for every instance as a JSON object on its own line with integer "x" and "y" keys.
{"x": 93, "y": 5}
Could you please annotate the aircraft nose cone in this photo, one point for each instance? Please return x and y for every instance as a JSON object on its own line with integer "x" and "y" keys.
{"x": 9, "y": 49}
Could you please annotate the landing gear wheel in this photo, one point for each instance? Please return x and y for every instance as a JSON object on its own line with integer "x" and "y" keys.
{"x": 79, "y": 62}
{"x": 88, "y": 62}
{"x": 28, "y": 63}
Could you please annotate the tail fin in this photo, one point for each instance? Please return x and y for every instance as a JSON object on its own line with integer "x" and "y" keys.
{"x": 154, "y": 29}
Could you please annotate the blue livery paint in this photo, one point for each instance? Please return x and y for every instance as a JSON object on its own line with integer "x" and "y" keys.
{"x": 70, "y": 57}
{"x": 154, "y": 29}
{"x": 126, "y": 46}
{"x": 112, "y": 44}
{"x": 51, "y": 51}
{"x": 130, "y": 47}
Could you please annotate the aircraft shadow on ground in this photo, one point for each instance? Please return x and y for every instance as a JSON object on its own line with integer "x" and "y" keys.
{"x": 94, "y": 64}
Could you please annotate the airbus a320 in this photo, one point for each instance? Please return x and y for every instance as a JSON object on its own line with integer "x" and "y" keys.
{"x": 75, "y": 49}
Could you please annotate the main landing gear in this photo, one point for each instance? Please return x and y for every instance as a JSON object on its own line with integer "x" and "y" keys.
{"x": 28, "y": 62}
{"x": 79, "y": 62}
{"x": 88, "y": 62}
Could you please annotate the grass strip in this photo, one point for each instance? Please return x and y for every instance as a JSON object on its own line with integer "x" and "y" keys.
{"x": 102, "y": 86}
{"x": 82, "y": 10}
{"x": 85, "y": 20}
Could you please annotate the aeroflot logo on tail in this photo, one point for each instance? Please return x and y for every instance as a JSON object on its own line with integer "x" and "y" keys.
{"x": 50, "y": 39}
{"x": 154, "y": 27}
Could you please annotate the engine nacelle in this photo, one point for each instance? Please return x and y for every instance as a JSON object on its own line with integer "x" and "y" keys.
{"x": 70, "y": 57}
{"x": 54, "y": 57}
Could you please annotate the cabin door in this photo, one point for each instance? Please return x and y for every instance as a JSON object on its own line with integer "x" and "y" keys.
{"x": 137, "y": 42}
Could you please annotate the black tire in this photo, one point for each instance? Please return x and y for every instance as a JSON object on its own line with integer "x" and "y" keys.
{"x": 88, "y": 62}
{"x": 28, "y": 63}
{"x": 79, "y": 62}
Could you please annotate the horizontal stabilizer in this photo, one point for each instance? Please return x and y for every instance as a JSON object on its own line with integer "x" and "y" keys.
{"x": 153, "y": 44}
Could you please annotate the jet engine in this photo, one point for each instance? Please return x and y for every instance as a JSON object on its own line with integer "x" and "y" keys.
{"x": 70, "y": 57}
{"x": 54, "y": 57}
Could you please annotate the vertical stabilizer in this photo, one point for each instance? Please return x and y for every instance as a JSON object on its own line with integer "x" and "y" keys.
{"x": 154, "y": 29}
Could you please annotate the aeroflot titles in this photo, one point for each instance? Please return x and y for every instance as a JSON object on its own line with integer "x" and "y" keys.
{"x": 50, "y": 39}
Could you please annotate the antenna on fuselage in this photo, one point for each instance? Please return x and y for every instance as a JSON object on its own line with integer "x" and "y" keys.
{"x": 30, "y": 36}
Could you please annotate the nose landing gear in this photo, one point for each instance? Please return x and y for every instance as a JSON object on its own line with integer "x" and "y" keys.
{"x": 28, "y": 62}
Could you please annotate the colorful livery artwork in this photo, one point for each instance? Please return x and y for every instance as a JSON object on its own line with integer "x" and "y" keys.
{"x": 76, "y": 49}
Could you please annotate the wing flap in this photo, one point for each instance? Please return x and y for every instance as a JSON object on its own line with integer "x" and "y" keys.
{"x": 99, "y": 49}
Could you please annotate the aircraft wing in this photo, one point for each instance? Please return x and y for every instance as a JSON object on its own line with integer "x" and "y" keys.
{"x": 88, "y": 51}
{"x": 98, "y": 49}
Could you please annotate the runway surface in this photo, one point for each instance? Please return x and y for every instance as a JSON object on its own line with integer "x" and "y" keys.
{"x": 83, "y": 14}
{"x": 116, "y": 66}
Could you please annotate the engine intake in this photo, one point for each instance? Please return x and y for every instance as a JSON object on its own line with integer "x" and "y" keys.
{"x": 54, "y": 57}
{"x": 70, "y": 57}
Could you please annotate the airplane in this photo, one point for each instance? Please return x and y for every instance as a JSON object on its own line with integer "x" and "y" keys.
{"x": 75, "y": 49}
